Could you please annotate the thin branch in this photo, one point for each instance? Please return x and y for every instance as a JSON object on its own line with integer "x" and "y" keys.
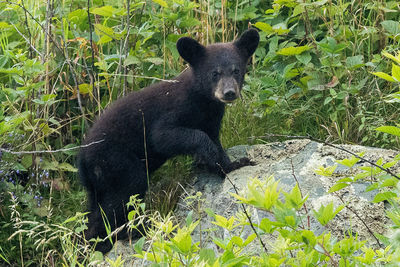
{"x": 244, "y": 210}
{"x": 358, "y": 216}
{"x": 40, "y": 25}
{"x": 27, "y": 40}
{"x": 49, "y": 151}
{"x": 91, "y": 42}
{"x": 29, "y": 31}
{"x": 301, "y": 194}
{"x": 328, "y": 144}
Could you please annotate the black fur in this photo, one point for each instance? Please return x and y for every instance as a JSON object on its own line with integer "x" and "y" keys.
{"x": 173, "y": 118}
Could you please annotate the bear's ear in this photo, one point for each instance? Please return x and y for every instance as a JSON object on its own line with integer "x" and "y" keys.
{"x": 248, "y": 42}
{"x": 190, "y": 50}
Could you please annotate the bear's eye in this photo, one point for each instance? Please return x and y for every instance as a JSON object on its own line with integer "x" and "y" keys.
{"x": 216, "y": 74}
{"x": 236, "y": 71}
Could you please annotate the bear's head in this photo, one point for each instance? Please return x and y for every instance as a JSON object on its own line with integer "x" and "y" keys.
{"x": 219, "y": 68}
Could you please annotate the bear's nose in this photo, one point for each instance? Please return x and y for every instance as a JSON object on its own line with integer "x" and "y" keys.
{"x": 230, "y": 95}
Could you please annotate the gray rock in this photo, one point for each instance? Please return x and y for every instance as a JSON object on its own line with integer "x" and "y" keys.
{"x": 287, "y": 162}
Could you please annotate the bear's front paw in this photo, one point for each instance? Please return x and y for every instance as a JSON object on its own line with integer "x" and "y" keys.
{"x": 241, "y": 163}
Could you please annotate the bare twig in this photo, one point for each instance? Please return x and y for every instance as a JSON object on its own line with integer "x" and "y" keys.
{"x": 29, "y": 32}
{"x": 90, "y": 40}
{"x": 326, "y": 253}
{"x": 244, "y": 209}
{"x": 128, "y": 7}
{"x": 301, "y": 194}
{"x": 49, "y": 151}
{"x": 363, "y": 222}
{"x": 28, "y": 41}
{"x": 38, "y": 23}
{"x": 328, "y": 144}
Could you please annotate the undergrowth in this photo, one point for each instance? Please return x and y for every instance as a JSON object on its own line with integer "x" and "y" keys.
{"x": 328, "y": 69}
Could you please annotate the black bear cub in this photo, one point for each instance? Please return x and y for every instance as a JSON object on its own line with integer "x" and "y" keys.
{"x": 139, "y": 132}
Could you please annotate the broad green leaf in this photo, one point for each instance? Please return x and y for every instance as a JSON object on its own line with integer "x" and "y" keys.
{"x": 187, "y": 22}
{"x": 393, "y": 130}
{"x": 350, "y": 162}
{"x": 294, "y": 198}
{"x": 104, "y": 39}
{"x": 85, "y": 88}
{"x": 396, "y": 59}
{"x": 267, "y": 225}
{"x": 337, "y": 187}
{"x": 207, "y": 255}
{"x": 291, "y": 51}
{"x": 26, "y": 161}
{"x": 355, "y": 62}
{"x": 304, "y": 58}
{"x": 391, "y": 26}
{"x": 384, "y": 196}
{"x": 298, "y": 9}
{"x": 11, "y": 71}
{"x": 139, "y": 245}
{"x": 155, "y": 60}
{"x": 161, "y": 3}
{"x": 71, "y": 152}
{"x": 106, "y": 11}
{"x": 265, "y": 27}
{"x": 396, "y": 72}
{"x": 4, "y": 25}
{"x": 101, "y": 30}
{"x": 183, "y": 240}
{"x": 328, "y": 171}
{"x": 66, "y": 167}
{"x": 383, "y": 75}
{"x": 326, "y": 213}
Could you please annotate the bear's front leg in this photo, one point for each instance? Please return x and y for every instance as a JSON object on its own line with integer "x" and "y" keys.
{"x": 227, "y": 165}
{"x": 173, "y": 141}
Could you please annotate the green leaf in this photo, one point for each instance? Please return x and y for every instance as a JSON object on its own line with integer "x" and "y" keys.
{"x": 85, "y": 88}
{"x": 106, "y": 11}
{"x": 265, "y": 27}
{"x": 187, "y": 22}
{"x": 207, "y": 255}
{"x": 104, "y": 39}
{"x": 395, "y": 59}
{"x": 298, "y": 9}
{"x": 304, "y": 58}
{"x": 294, "y": 199}
{"x": 139, "y": 245}
{"x": 161, "y": 3}
{"x": 337, "y": 187}
{"x": 384, "y": 196}
{"x": 396, "y": 72}
{"x": 70, "y": 152}
{"x": 4, "y": 25}
{"x": 391, "y": 26}
{"x": 66, "y": 167}
{"x": 350, "y": 162}
{"x": 103, "y": 30}
{"x": 328, "y": 171}
{"x": 155, "y": 60}
{"x": 383, "y": 75}
{"x": 393, "y": 130}
{"x": 130, "y": 60}
{"x": 26, "y": 161}
{"x": 291, "y": 51}
{"x": 11, "y": 71}
{"x": 355, "y": 62}
{"x": 182, "y": 240}
{"x": 326, "y": 213}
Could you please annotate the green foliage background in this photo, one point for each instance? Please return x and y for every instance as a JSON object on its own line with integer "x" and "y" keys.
{"x": 63, "y": 62}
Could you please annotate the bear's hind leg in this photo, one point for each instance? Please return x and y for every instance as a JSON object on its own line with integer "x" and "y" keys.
{"x": 119, "y": 181}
